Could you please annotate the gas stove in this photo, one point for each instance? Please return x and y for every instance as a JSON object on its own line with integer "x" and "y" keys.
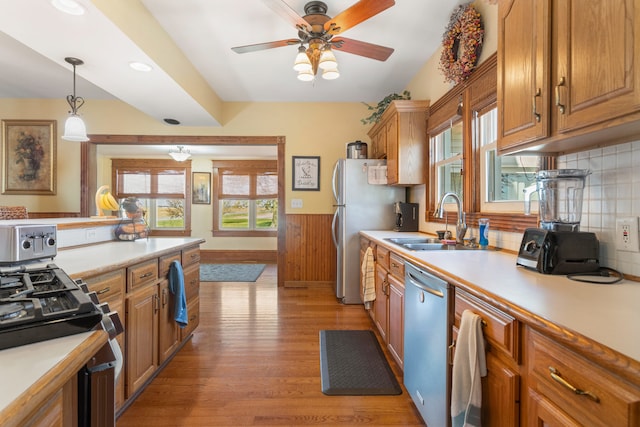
{"x": 41, "y": 303}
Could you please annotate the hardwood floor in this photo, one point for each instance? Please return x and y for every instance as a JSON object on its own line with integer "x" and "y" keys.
{"x": 254, "y": 360}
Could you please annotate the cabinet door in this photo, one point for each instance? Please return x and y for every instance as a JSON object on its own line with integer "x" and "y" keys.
{"x": 142, "y": 337}
{"x": 380, "y": 306}
{"x": 396, "y": 319}
{"x": 168, "y": 330}
{"x": 391, "y": 132}
{"x": 500, "y": 395}
{"x": 544, "y": 413}
{"x": 597, "y": 48}
{"x": 523, "y": 71}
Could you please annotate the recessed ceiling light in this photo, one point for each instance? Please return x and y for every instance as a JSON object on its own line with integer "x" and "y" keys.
{"x": 71, "y": 7}
{"x": 140, "y": 66}
{"x": 171, "y": 121}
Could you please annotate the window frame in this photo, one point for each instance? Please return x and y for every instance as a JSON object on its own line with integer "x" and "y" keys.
{"x": 144, "y": 165}
{"x": 252, "y": 167}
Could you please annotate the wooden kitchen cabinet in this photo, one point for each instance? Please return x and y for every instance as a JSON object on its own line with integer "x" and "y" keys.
{"x": 142, "y": 337}
{"x": 501, "y": 386}
{"x": 566, "y": 389}
{"x": 380, "y": 305}
{"x": 401, "y": 137}
{"x": 396, "y": 319}
{"x": 168, "y": 330}
{"x": 568, "y": 73}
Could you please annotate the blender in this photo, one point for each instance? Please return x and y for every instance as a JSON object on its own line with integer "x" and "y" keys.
{"x": 558, "y": 246}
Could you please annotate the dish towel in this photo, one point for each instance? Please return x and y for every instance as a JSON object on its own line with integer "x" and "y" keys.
{"x": 368, "y": 278}
{"x": 469, "y": 365}
{"x": 176, "y": 286}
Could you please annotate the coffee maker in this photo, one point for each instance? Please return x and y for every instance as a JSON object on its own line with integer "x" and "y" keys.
{"x": 558, "y": 246}
{"x": 406, "y": 216}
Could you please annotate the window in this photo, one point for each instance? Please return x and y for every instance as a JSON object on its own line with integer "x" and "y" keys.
{"x": 162, "y": 187}
{"x": 505, "y": 179}
{"x": 245, "y": 198}
{"x": 448, "y": 159}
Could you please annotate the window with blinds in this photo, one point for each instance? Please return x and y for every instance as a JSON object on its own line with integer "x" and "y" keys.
{"x": 162, "y": 187}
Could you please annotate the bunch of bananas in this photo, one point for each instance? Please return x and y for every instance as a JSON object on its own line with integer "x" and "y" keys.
{"x": 105, "y": 200}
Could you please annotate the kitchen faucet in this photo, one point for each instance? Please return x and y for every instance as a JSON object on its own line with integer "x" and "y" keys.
{"x": 461, "y": 226}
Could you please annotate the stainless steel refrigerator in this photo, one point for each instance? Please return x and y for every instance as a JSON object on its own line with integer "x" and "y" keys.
{"x": 359, "y": 206}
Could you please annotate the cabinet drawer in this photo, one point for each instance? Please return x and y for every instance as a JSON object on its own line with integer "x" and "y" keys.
{"x": 382, "y": 257}
{"x": 365, "y": 243}
{"x": 164, "y": 263}
{"x": 108, "y": 286}
{"x": 190, "y": 256}
{"x": 142, "y": 274}
{"x": 610, "y": 402}
{"x": 396, "y": 266}
{"x": 193, "y": 313}
{"x": 191, "y": 281}
{"x": 499, "y": 329}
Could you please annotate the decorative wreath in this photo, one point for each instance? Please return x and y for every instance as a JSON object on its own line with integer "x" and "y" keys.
{"x": 462, "y": 43}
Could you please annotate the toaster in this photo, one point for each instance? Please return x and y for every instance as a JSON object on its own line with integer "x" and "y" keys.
{"x": 559, "y": 252}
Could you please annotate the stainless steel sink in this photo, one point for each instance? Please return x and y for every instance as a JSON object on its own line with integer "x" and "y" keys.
{"x": 426, "y": 244}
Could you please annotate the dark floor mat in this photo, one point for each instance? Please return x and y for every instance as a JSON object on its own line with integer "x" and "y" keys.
{"x": 352, "y": 363}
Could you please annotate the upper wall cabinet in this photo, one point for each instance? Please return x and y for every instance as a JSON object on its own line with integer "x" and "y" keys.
{"x": 401, "y": 137}
{"x": 568, "y": 74}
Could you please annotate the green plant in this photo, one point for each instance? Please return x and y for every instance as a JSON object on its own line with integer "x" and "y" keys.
{"x": 381, "y": 106}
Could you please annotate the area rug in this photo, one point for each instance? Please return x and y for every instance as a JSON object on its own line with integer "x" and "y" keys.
{"x": 230, "y": 272}
{"x": 353, "y": 364}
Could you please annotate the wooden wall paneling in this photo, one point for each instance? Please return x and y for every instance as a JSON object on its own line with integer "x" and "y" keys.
{"x": 310, "y": 253}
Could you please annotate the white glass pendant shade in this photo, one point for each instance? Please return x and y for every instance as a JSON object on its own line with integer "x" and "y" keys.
{"x": 181, "y": 155}
{"x": 331, "y": 74}
{"x": 306, "y": 76}
{"x": 327, "y": 60}
{"x": 75, "y": 129}
{"x": 302, "y": 62}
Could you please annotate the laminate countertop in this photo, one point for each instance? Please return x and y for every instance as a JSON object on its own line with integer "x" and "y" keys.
{"x": 607, "y": 314}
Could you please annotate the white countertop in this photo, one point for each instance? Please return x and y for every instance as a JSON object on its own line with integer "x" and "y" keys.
{"x": 607, "y": 314}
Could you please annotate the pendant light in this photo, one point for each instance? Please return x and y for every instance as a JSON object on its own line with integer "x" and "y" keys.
{"x": 181, "y": 154}
{"x": 74, "y": 127}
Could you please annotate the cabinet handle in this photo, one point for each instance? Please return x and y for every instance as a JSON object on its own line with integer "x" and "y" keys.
{"x": 165, "y": 297}
{"x": 156, "y": 303}
{"x": 452, "y": 351}
{"x": 555, "y": 375}
{"x": 535, "y": 109}
{"x": 103, "y": 291}
{"x": 145, "y": 275}
{"x": 558, "y": 104}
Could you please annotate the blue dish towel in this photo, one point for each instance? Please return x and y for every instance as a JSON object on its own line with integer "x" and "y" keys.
{"x": 176, "y": 286}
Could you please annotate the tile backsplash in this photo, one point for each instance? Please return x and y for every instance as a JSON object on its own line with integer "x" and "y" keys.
{"x": 612, "y": 191}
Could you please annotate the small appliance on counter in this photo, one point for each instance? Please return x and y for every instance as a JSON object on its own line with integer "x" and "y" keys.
{"x": 559, "y": 252}
{"x": 406, "y": 216}
{"x": 27, "y": 242}
{"x": 558, "y": 247}
{"x": 357, "y": 150}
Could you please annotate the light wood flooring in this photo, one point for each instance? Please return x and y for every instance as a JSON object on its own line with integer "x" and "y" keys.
{"x": 254, "y": 360}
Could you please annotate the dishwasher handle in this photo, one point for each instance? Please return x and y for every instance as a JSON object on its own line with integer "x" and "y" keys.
{"x": 424, "y": 286}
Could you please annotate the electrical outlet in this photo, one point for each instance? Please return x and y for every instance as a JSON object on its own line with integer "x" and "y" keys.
{"x": 627, "y": 234}
{"x": 296, "y": 203}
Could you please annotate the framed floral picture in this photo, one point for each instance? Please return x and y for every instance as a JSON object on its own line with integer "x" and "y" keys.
{"x": 201, "y": 188}
{"x": 29, "y": 157}
{"x": 306, "y": 173}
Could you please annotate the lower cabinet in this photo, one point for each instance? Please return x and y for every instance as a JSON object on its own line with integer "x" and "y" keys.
{"x": 142, "y": 337}
{"x": 168, "y": 329}
{"x": 380, "y": 306}
{"x": 395, "y": 337}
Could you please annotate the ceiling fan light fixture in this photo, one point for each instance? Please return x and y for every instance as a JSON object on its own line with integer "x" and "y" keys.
{"x": 306, "y": 76}
{"x": 70, "y": 7}
{"x": 327, "y": 60}
{"x": 302, "y": 62}
{"x": 330, "y": 74}
{"x": 180, "y": 155}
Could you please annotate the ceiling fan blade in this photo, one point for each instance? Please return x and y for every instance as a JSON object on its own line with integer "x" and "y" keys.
{"x": 357, "y": 13}
{"x": 356, "y": 47}
{"x": 263, "y": 46}
{"x": 285, "y": 11}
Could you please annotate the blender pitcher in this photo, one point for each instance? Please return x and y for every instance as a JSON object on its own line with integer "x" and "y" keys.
{"x": 560, "y": 198}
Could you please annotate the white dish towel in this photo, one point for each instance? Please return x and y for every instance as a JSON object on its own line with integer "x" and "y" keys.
{"x": 368, "y": 275}
{"x": 469, "y": 365}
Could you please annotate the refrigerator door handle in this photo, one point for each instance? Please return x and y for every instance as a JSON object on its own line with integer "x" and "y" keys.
{"x": 334, "y": 183}
{"x": 334, "y": 228}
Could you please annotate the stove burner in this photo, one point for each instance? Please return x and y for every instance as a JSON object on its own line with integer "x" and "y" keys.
{"x": 12, "y": 310}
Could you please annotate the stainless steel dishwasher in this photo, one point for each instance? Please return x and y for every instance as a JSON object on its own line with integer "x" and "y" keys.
{"x": 426, "y": 339}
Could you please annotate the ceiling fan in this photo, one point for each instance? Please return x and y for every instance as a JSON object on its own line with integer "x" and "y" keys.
{"x": 316, "y": 31}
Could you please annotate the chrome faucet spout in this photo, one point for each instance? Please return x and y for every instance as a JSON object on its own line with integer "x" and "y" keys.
{"x": 461, "y": 226}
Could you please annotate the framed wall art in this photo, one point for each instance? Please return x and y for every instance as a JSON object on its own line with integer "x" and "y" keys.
{"x": 201, "y": 185}
{"x": 306, "y": 173}
{"x": 29, "y": 157}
